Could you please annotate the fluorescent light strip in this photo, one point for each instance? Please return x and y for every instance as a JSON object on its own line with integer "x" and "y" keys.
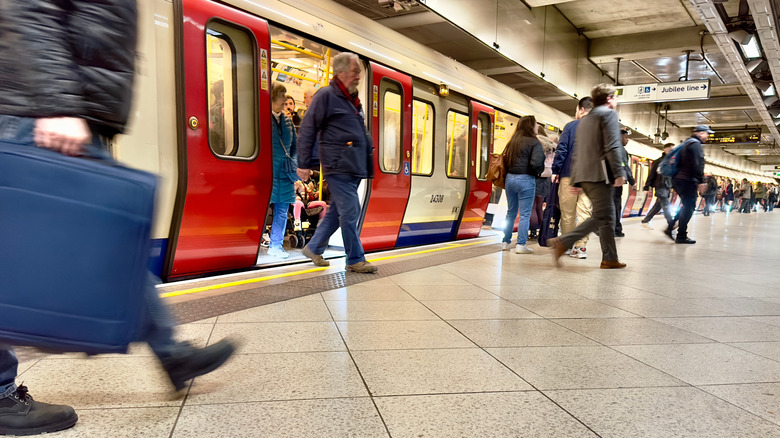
{"x": 488, "y": 99}
{"x": 375, "y": 52}
{"x": 449, "y": 84}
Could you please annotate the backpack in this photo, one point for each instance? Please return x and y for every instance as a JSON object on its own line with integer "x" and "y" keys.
{"x": 668, "y": 166}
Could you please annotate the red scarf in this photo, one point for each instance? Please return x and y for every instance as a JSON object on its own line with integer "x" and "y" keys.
{"x": 352, "y": 97}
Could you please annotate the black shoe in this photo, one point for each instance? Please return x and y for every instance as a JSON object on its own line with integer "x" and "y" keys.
{"x": 194, "y": 362}
{"x": 21, "y": 415}
{"x": 532, "y": 235}
{"x": 685, "y": 240}
{"x": 668, "y": 233}
{"x": 620, "y": 234}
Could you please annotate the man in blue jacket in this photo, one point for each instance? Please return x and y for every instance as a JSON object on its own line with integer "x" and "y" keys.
{"x": 574, "y": 204}
{"x": 335, "y": 121}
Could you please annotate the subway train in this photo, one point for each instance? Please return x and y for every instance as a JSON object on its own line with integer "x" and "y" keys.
{"x": 202, "y": 121}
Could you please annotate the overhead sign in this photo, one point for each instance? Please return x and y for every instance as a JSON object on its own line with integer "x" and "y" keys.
{"x": 736, "y": 136}
{"x": 662, "y": 92}
{"x": 770, "y": 167}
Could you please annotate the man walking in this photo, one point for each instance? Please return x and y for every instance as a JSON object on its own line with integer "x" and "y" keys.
{"x": 335, "y": 120}
{"x": 617, "y": 195}
{"x": 574, "y": 205}
{"x": 598, "y": 166}
{"x": 690, "y": 173}
{"x": 66, "y": 84}
{"x": 661, "y": 184}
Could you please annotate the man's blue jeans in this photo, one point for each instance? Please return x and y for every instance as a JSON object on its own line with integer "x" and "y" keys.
{"x": 344, "y": 212}
{"x": 159, "y": 333}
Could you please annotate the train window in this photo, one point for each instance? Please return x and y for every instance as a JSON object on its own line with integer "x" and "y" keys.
{"x": 422, "y": 138}
{"x": 503, "y": 130}
{"x": 483, "y": 145}
{"x": 390, "y": 127}
{"x": 456, "y": 150}
{"x": 230, "y": 68}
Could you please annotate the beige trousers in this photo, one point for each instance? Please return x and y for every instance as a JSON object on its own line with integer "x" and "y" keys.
{"x": 575, "y": 208}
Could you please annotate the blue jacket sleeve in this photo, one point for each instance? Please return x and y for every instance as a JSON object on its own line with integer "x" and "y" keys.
{"x": 562, "y": 151}
{"x": 313, "y": 121}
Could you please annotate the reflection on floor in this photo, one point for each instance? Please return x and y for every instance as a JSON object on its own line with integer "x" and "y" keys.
{"x": 683, "y": 342}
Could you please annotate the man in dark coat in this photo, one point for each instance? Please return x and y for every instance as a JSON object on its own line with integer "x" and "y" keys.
{"x": 661, "y": 184}
{"x": 617, "y": 195}
{"x": 690, "y": 173}
{"x": 66, "y": 83}
{"x": 599, "y": 164}
{"x": 335, "y": 121}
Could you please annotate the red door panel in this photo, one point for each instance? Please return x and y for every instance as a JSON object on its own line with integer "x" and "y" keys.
{"x": 223, "y": 210}
{"x": 389, "y": 191}
{"x": 479, "y": 191}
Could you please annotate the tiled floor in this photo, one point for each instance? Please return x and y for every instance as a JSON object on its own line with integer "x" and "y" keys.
{"x": 685, "y": 342}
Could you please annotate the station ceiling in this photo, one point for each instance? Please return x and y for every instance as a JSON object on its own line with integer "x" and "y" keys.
{"x": 649, "y": 37}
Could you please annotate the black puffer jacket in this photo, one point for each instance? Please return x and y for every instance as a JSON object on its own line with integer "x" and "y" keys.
{"x": 73, "y": 58}
{"x": 529, "y": 158}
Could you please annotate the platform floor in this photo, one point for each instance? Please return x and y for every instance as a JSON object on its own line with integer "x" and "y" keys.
{"x": 684, "y": 342}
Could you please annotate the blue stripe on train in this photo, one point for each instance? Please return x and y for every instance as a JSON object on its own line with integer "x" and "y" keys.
{"x": 425, "y": 233}
{"x": 157, "y": 257}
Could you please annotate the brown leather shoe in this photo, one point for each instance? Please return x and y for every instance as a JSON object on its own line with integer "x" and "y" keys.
{"x": 612, "y": 264}
{"x": 363, "y": 267}
{"x": 558, "y": 250}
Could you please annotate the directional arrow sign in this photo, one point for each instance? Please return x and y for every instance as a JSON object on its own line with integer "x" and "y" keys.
{"x": 662, "y": 92}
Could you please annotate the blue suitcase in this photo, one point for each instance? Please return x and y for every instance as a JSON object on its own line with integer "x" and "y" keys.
{"x": 74, "y": 248}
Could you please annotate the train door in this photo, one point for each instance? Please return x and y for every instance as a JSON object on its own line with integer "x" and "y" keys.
{"x": 479, "y": 188}
{"x": 391, "y": 130}
{"x": 225, "y": 179}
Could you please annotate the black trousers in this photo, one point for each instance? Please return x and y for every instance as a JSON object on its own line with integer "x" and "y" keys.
{"x": 686, "y": 190}
{"x": 617, "y": 198}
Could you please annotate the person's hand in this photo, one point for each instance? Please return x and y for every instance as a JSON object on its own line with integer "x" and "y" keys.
{"x": 554, "y": 178}
{"x": 303, "y": 174}
{"x": 66, "y": 135}
{"x": 619, "y": 181}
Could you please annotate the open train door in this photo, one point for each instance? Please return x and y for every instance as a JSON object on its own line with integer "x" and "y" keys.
{"x": 225, "y": 154}
{"x": 480, "y": 146}
{"x": 391, "y": 130}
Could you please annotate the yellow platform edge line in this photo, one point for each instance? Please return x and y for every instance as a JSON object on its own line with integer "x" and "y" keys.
{"x": 237, "y": 283}
{"x": 307, "y": 271}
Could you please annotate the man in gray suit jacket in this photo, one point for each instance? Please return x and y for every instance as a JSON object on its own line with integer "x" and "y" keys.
{"x": 598, "y": 166}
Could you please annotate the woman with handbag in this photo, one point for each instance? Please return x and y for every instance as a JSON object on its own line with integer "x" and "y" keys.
{"x": 524, "y": 162}
{"x": 284, "y": 165}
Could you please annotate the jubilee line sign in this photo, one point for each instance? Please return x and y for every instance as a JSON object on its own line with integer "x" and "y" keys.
{"x": 662, "y": 92}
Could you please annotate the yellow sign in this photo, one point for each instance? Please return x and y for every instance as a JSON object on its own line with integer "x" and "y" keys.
{"x": 376, "y": 101}
{"x": 263, "y": 59}
{"x": 264, "y": 80}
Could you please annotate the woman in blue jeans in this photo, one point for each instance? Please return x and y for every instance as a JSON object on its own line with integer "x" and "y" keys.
{"x": 524, "y": 162}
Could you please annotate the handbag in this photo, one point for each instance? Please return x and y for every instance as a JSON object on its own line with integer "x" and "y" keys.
{"x": 550, "y": 218}
{"x": 497, "y": 169}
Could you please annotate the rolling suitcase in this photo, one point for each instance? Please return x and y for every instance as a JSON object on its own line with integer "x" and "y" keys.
{"x": 74, "y": 248}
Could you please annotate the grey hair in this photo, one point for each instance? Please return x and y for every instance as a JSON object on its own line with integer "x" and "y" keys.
{"x": 343, "y": 61}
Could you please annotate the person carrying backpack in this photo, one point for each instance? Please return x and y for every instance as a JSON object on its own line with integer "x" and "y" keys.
{"x": 689, "y": 174}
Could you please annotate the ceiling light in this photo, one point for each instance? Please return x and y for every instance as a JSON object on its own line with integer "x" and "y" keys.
{"x": 748, "y": 42}
{"x": 767, "y": 88}
{"x": 775, "y": 112}
{"x": 754, "y": 65}
{"x": 770, "y": 100}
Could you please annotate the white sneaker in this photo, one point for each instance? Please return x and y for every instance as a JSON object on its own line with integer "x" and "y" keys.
{"x": 579, "y": 253}
{"x": 574, "y": 253}
{"x": 504, "y": 246}
{"x": 522, "y": 249}
{"x": 647, "y": 226}
{"x": 278, "y": 252}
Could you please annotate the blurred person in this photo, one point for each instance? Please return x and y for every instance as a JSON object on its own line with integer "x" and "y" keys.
{"x": 542, "y": 183}
{"x": 285, "y": 167}
{"x": 661, "y": 185}
{"x": 746, "y": 193}
{"x": 760, "y": 193}
{"x": 599, "y": 165}
{"x": 66, "y": 83}
{"x": 728, "y": 194}
{"x": 217, "y": 118}
{"x": 617, "y": 194}
{"x": 709, "y": 195}
{"x": 574, "y": 205}
{"x": 289, "y": 110}
{"x": 524, "y": 162}
{"x": 771, "y": 197}
{"x": 335, "y": 119}
{"x": 690, "y": 174}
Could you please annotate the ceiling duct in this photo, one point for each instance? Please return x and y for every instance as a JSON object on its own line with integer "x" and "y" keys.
{"x": 717, "y": 28}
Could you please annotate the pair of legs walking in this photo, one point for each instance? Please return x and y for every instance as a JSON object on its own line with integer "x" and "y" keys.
{"x": 575, "y": 208}
{"x": 344, "y": 212}
{"x": 520, "y": 193}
